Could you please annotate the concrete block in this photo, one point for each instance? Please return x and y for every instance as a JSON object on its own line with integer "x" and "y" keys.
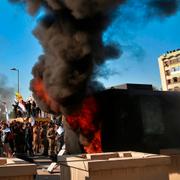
{"x": 174, "y": 168}
{"x": 102, "y": 156}
{"x": 3, "y": 161}
{"x": 17, "y": 169}
{"x": 115, "y": 165}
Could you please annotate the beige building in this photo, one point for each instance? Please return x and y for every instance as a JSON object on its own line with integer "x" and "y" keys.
{"x": 169, "y": 65}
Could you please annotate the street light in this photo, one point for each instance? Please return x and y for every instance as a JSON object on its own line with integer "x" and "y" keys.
{"x": 15, "y": 69}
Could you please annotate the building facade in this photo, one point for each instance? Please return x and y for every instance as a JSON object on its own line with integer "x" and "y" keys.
{"x": 169, "y": 65}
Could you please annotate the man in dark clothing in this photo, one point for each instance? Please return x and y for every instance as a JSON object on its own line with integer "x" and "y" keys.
{"x": 45, "y": 140}
{"x": 28, "y": 109}
{"x": 15, "y": 109}
{"x": 19, "y": 133}
{"x": 28, "y": 139}
{"x": 33, "y": 108}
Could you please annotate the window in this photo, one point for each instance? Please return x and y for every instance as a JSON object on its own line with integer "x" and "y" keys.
{"x": 167, "y": 72}
{"x": 166, "y": 63}
{"x": 175, "y": 69}
{"x": 175, "y": 79}
{"x": 174, "y": 61}
{"x": 177, "y": 88}
{"x": 168, "y": 81}
{"x": 170, "y": 89}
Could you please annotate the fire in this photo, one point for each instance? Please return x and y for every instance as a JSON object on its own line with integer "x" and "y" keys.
{"x": 41, "y": 92}
{"x": 95, "y": 145}
{"x": 85, "y": 121}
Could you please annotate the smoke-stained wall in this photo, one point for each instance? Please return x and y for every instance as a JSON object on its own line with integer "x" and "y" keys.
{"x": 141, "y": 120}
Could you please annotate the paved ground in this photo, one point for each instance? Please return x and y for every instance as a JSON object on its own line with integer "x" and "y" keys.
{"x": 43, "y": 163}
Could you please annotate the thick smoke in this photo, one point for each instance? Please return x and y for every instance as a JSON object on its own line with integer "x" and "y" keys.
{"x": 71, "y": 35}
{"x": 6, "y": 94}
{"x": 164, "y": 7}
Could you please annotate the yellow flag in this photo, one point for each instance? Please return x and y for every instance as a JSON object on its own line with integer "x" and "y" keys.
{"x": 18, "y": 97}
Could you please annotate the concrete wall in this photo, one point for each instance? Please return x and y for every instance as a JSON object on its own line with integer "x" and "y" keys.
{"x": 16, "y": 169}
{"x": 135, "y": 119}
{"x": 139, "y": 120}
{"x": 174, "y": 168}
{"x": 106, "y": 166}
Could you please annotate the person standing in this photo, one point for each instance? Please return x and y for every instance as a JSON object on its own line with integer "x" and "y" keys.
{"x": 33, "y": 109}
{"x": 5, "y": 140}
{"x": 35, "y": 139}
{"x": 51, "y": 135}
{"x": 45, "y": 140}
{"x": 1, "y": 144}
{"x": 28, "y": 139}
{"x": 28, "y": 109}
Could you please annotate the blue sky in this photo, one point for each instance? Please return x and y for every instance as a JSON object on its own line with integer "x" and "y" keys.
{"x": 142, "y": 43}
{"x": 18, "y": 47}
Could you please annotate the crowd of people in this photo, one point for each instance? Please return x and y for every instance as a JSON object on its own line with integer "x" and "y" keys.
{"x": 43, "y": 138}
{"x": 26, "y": 109}
{"x": 32, "y": 136}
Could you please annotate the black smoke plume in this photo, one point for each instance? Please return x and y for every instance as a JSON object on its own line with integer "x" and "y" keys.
{"x": 71, "y": 35}
{"x": 164, "y": 7}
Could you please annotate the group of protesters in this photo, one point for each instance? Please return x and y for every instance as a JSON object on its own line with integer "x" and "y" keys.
{"x": 26, "y": 109}
{"x": 43, "y": 138}
{"x": 31, "y": 136}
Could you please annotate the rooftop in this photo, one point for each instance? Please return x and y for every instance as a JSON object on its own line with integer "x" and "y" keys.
{"x": 170, "y": 54}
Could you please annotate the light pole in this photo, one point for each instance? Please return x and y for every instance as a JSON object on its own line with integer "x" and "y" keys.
{"x": 17, "y": 70}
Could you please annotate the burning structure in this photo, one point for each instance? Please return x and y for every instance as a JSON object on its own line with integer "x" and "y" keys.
{"x": 133, "y": 117}
{"x": 64, "y": 77}
{"x": 138, "y": 118}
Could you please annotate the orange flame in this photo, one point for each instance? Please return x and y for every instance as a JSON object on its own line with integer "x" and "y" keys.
{"x": 84, "y": 120}
{"x": 95, "y": 145}
{"x": 41, "y": 92}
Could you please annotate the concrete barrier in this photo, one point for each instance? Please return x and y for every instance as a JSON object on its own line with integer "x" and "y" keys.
{"x": 174, "y": 168}
{"x": 17, "y": 169}
{"x": 114, "y": 166}
{"x": 3, "y": 161}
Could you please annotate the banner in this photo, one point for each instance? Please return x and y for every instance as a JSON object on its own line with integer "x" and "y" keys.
{"x": 21, "y": 103}
{"x": 7, "y": 115}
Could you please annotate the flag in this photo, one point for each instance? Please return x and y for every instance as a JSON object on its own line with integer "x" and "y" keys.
{"x": 19, "y": 97}
{"x": 7, "y": 115}
{"x": 22, "y": 107}
{"x": 21, "y": 103}
{"x": 32, "y": 121}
